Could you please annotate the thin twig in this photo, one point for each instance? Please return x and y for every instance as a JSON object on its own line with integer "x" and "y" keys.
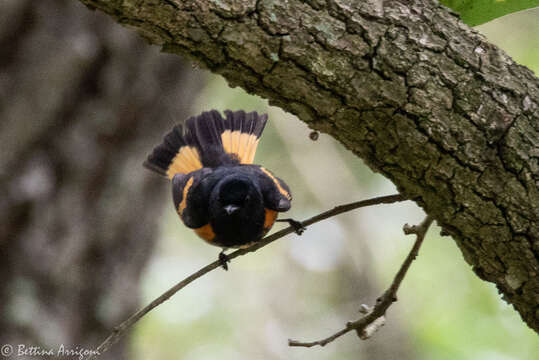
{"x": 384, "y": 301}
{"x": 120, "y": 330}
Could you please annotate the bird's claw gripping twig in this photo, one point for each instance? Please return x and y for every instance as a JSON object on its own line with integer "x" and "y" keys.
{"x": 297, "y": 225}
{"x": 224, "y": 260}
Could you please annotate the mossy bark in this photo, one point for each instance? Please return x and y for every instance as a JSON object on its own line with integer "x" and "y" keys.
{"x": 418, "y": 95}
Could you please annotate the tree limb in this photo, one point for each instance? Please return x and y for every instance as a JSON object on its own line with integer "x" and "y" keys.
{"x": 121, "y": 329}
{"x": 418, "y": 95}
{"x": 375, "y": 317}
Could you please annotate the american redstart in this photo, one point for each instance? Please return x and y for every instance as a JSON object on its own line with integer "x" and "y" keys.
{"x": 217, "y": 190}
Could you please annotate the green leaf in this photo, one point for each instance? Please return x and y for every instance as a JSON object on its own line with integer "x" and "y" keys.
{"x": 476, "y": 12}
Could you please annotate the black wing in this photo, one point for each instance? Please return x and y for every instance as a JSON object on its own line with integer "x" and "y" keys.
{"x": 190, "y": 200}
{"x": 276, "y": 193}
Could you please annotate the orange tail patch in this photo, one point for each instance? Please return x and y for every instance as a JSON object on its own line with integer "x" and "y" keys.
{"x": 242, "y": 133}
{"x": 185, "y": 161}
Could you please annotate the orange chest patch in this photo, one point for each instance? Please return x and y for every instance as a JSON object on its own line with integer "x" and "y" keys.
{"x": 205, "y": 232}
{"x": 271, "y": 216}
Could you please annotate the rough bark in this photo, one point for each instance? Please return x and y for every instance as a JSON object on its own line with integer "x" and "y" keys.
{"x": 418, "y": 95}
{"x": 83, "y": 101}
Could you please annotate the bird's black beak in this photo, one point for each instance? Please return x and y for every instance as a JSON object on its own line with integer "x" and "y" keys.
{"x": 231, "y": 208}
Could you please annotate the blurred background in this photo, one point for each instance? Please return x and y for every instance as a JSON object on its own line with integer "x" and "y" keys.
{"x": 87, "y": 236}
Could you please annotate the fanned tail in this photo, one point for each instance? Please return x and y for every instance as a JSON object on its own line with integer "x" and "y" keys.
{"x": 208, "y": 140}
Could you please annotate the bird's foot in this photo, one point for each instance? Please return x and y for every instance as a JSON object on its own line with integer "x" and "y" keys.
{"x": 297, "y": 225}
{"x": 223, "y": 260}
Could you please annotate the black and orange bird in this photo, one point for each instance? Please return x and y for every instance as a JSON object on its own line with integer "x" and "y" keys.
{"x": 217, "y": 190}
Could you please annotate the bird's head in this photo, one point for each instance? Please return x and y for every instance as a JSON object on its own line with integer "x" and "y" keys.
{"x": 236, "y": 194}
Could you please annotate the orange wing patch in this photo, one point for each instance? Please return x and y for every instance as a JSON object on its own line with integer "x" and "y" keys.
{"x": 281, "y": 189}
{"x": 186, "y": 160}
{"x": 186, "y": 188}
{"x": 241, "y": 144}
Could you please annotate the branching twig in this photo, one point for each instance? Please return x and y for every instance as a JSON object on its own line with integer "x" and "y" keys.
{"x": 375, "y": 317}
{"x": 120, "y": 330}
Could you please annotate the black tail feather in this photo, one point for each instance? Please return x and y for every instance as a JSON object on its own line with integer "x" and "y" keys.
{"x": 163, "y": 154}
{"x": 207, "y": 129}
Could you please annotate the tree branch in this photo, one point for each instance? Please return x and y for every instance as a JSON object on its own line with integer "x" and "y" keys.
{"x": 418, "y": 95}
{"x": 120, "y": 330}
{"x": 375, "y": 317}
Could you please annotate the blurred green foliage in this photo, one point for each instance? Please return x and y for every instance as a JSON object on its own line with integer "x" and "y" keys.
{"x": 307, "y": 287}
{"x": 477, "y": 12}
